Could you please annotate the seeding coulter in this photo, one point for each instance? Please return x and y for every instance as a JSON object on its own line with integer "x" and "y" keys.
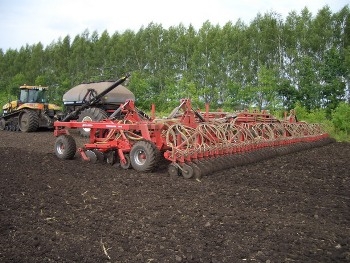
{"x": 194, "y": 143}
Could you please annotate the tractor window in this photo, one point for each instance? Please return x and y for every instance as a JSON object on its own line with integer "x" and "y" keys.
{"x": 37, "y": 96}
{"x": 23, "y": 97}
{"x": 33, "y": 96}
{"x": 41, "y": 96}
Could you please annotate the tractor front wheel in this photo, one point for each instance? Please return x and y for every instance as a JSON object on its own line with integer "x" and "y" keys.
{"x": 144, "y": 156}
{"x": 65, "y": 147}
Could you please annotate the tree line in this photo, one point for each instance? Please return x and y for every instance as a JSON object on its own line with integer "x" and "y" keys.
{"x": 271, "y": 63}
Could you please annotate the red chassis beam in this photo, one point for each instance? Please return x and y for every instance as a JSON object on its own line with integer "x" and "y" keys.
{"x": 151, "y": 131}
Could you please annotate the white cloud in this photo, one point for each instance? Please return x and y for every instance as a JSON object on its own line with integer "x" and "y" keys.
{"x": 30, "y": 21}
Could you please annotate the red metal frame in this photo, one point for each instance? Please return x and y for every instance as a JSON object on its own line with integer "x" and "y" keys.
{"x": 192, "y": 135}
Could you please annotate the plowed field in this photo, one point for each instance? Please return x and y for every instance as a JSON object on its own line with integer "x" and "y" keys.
{"x": 292, "y": 208}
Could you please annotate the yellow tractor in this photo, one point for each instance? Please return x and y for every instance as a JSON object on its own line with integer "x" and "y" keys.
{"x": 30, "y": 112}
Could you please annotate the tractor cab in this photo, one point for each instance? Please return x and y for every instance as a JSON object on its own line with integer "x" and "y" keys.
{"x": 33, "y": 94}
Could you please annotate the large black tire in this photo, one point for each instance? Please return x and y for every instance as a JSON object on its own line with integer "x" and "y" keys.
{"x": 91, "y": 114}
{"x": 144, "y": 156}
{"x": 28, "y": 121}
{"x": 2, "y": 124}
{"x": 65, "y": 147}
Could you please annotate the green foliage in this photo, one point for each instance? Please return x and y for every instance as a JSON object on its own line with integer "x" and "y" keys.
{"x": 341, "y": 120}
{"x": 3, "y": 100}
{"x": 301, "y": 112}
{"x": 13, "y": 88}
{"x": 338, "y": 126}
{"x": 41, "y": 81}
{"x": 313, "y": 116}
{"x": 271, "y": 63}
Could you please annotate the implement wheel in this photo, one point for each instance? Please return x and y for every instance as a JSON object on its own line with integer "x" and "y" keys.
{"x": 187, "y": 171}
{"x": 126, "y": 165}
{"x": 90, "y": 114}
{"x": 91, "y": 155}
{"x": 173, "y": 170}
{"x": 110, "y": 157}
{"x": 100, "y": 155}
{"x": 196, "y": 170}
{"x": 65, "y": 147}
{"x": 144, "y": 156}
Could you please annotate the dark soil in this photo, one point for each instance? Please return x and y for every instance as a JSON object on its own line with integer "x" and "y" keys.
{"x": 292, "y": 208}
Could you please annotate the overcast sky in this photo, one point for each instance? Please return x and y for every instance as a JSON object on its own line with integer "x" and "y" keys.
{"x": 32, "y": 21}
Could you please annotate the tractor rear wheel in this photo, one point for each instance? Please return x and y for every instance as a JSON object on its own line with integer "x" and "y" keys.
{"x": 28, "y": 121}
{"x": 90, "y": 114}
{"x": 144, "y": 156}
{"x": 2, "y": 124}
{"x": 65, "y": 147}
